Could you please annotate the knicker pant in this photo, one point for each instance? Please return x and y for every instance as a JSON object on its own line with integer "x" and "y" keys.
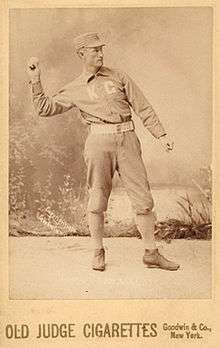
{"x": 106, "y": 153}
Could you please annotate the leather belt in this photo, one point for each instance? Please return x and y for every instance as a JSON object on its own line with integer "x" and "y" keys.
{"x": 112, "y": 128}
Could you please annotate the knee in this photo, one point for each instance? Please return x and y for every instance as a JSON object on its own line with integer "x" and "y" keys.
{"x": 98, "y": 201}
{"x": 145, "y": 208}
{"x": 143, "y": 211}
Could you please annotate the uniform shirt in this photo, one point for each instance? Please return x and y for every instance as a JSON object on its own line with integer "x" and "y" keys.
{"x": 104, "y": 97}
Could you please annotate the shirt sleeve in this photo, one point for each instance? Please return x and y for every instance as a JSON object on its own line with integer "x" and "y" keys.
{"x": 50, "y": 106}
{"x": 142, "y": 107}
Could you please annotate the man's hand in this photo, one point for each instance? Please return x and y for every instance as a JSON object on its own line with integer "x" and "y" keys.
{"x": 166, "y": 143}
{"x": 33, "y": 69}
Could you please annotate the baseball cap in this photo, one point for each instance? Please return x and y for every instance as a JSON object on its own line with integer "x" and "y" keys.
{"x": 88, "y": 40}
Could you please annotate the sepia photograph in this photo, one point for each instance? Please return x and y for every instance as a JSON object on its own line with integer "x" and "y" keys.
{"x": 110, "y": 153}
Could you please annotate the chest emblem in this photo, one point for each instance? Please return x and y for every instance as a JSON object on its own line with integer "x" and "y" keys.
{"x": 95, "y": 92}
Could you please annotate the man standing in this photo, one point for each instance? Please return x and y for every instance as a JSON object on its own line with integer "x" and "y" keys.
{"x": 105, "y": 97}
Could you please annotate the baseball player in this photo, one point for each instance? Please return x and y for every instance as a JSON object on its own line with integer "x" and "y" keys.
{"x": 105, "y": 97}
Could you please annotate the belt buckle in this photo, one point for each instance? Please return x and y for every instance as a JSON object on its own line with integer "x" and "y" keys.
{"x": 118, "y": 128}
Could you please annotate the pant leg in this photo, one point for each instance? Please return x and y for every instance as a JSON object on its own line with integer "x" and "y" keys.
{"x": 100, "y": 158}
{"x": 133, "y": 174}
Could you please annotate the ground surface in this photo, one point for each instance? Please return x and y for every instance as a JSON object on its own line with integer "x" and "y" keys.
{"x": 60, "y": 268}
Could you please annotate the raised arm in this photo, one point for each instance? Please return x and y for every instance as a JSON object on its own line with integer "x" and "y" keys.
{"x": 46, "y": 105}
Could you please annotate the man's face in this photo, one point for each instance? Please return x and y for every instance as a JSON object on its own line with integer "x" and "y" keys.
{"x": 93, "y": 56}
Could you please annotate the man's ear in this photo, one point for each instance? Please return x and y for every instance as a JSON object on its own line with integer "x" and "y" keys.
{"x": 80, "y": 53}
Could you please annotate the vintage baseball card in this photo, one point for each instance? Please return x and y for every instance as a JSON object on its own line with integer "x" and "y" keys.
{"x": 109, "y": 174}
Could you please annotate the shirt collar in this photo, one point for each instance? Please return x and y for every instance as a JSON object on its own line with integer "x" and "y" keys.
{"x": 86, "y": 76}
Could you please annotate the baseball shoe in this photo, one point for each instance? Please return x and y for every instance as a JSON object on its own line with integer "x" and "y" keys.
{"x": 153, "y": 259}
{"x": 98, "y": 263}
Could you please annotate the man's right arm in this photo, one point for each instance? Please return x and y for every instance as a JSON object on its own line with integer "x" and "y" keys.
{"x": 45, "y": 105}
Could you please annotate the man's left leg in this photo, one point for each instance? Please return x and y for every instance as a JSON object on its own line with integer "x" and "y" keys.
{"x": 152, "y": 258}
{"x": 146, "y": 225}
{"x": 133, "y": 174}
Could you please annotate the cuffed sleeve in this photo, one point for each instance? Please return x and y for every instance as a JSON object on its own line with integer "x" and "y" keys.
{"x": 142, "y": 107}
{"x": 50, "y": 106}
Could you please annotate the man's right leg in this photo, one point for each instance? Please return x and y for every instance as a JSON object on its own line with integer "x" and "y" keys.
{"x": 96, "y": 227}
{"x": 101, "y": 162}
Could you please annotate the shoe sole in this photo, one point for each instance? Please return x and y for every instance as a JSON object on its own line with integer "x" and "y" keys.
{"x": 166, "y": 269}
{"x": 99, "y": 269}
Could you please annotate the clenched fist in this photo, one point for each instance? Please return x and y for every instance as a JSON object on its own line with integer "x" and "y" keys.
{"x": 33, "y": 69}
